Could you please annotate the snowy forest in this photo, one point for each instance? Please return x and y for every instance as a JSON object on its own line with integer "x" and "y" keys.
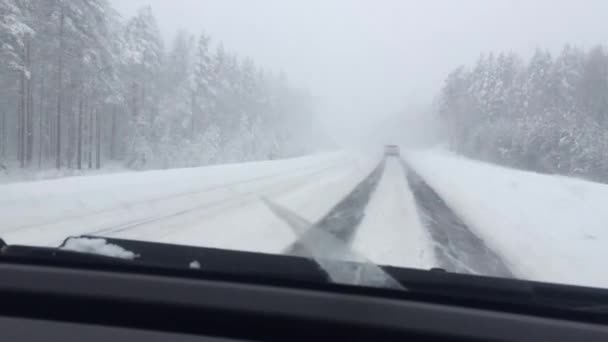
{"x": 81, "y": 86}
{"x": 548, "y": 114}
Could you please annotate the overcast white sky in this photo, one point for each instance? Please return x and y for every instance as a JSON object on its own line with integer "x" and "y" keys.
{"x": 370, "y": 58}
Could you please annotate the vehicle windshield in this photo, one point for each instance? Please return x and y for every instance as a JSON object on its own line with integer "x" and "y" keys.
{"x": 465, "y": 135}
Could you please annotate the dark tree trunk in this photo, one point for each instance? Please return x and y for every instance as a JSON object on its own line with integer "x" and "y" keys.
{"x": 29, "y": 135}
{"x": 21, "y": 121}
{"x": 70, "y": 135}
{"x": 3, "y": 137}
{"x": 59, "y": 90}
{"x": 80, "y": 128}
{"x": 40, "y": 130}
{"x": 134, "y": 106}
{"x": 50, "y": 131}
{"x": 90, "y": 151}
{"x": 194, "y": 118}
{"x": 113, "y": 135}
{"x": 98, "y": 140}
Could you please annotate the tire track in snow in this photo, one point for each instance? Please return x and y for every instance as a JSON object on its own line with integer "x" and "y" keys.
{"x": 343, "y": 219}
{"x": 457, "y": 248}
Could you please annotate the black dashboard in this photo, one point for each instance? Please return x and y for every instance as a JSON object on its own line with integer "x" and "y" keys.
{"x": 78, "y": 302}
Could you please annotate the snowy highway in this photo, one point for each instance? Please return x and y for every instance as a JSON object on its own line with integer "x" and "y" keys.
{"x": 415, "y": 211}
{"x": 391, "y": 232}
{"x": 214, "y": 206}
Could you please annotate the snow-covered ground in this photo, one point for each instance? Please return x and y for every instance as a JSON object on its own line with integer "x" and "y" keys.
{"x": 391, "y": 232}
{"x": 211, "y": 206}
{"x": 546, "y": 228}
{"x": 12, "y": 173}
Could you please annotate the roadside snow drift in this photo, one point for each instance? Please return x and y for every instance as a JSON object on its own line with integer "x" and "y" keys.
{"x": 546, "y": 228}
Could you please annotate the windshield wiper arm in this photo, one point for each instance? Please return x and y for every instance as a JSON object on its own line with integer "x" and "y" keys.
{"x": 331, "y": 253}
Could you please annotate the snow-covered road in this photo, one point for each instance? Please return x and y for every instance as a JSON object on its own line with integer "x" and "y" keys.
{"x": 213, "y": 206}
{"x": 464, "y": 216}
{"x": 221, "y": 207}
{"x": 391, "y": 232}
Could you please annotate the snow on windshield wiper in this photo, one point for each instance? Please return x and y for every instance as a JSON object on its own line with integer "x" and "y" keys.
{"x": 97, "y": 246}
{"x": 330, "y": 253}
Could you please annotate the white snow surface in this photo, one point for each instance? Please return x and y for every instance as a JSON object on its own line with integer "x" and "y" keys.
{"x": 14, "y": 173}
{"x": 391, "y": 232}
{"x": 546, "y": 228}
{"x": 97, "y": 246}
{"x": 217, "y": 206}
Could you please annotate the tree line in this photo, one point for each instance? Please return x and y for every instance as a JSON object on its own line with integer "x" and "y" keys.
{"x": 80, "y": 85}
{"x": 547, "y": 114}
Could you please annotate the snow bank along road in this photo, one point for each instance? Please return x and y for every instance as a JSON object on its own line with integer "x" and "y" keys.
{"x": 426, "y": 210}
{"x": 457, "y": 248}
{"x": 546, "y": 228}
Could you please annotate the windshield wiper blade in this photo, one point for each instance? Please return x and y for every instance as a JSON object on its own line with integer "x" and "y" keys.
{"x": 334, "y": 256}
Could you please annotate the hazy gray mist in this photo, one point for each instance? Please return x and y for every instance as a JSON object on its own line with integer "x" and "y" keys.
{"x": 371, "y": 59}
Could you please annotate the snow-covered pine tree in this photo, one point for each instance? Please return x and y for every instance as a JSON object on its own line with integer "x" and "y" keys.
{"x": 143, "y": 55}
{"x": 547, "y": 115}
